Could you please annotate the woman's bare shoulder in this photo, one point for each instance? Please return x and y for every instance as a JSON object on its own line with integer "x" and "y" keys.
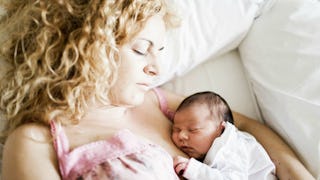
{"x": 30, "y": 133}
{"x": 27, "y": 152}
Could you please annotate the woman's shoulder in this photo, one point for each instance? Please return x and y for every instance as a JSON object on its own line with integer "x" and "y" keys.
{"x": 29, "y": 136}
{"x": 31, "y": 131}
{"x": 29, "y": 149}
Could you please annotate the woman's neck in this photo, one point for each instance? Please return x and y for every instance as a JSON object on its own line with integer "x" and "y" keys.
{"x": 104, "y": 114}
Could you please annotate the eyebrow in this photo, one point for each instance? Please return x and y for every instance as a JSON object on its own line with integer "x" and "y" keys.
{"x": 151, "y": 43}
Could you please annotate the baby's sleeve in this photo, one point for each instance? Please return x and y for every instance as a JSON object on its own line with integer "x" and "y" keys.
{"x": 198, "y": 170}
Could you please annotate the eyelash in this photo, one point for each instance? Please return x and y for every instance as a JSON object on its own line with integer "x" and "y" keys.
{"x": 194, "y": 130}
{"x": 140, "y": 53}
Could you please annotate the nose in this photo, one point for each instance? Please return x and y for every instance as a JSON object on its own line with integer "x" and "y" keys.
{"x": 183, "y": 135}
{"x": 151, "y": 70}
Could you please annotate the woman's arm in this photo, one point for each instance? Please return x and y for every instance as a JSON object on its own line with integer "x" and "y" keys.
{"x": 288, "y": 166}
{"x": 28, "y": 154}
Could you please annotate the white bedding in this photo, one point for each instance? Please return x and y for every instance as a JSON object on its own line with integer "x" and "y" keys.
{"x": 277, "y": 84}
{"x": 277, "y": 78}
{"x": 282, "y": 57}
{"x": 224, "y": 75}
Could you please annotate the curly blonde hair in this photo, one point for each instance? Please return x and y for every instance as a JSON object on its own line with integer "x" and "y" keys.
{"x": 64, "y": 53}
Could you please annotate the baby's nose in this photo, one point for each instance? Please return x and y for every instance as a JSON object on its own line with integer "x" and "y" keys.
{"x": 183, "y": 135}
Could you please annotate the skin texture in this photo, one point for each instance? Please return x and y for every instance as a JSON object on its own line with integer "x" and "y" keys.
{"x": 194, "y": 130}
{"x": 139, "y": 63}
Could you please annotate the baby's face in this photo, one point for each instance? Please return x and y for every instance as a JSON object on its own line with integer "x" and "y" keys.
{"x": 194, "y": 130}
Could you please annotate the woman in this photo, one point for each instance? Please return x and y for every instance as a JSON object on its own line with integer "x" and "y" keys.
{"x": 77, "y": 99}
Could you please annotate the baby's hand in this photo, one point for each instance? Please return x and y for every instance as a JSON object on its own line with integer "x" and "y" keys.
{"x": 180, "y": 164}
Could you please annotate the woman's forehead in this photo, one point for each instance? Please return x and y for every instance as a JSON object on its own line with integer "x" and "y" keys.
{"x": 154, "y": 31}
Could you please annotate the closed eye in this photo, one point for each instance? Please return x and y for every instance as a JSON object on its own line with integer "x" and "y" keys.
{"x": 140, "y": 53}
{"x": 194, "y": 130}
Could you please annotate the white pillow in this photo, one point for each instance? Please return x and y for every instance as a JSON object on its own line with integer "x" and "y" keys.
{"x": 208, "y": 28}
{"x": 282, "y": 57}
{"x": 223, "y": 75}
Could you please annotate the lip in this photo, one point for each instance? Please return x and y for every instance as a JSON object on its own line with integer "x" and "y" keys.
{"x": 186, "y": 148}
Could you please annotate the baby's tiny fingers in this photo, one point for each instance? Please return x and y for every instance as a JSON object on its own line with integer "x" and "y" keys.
{"x": 179, "y": 168}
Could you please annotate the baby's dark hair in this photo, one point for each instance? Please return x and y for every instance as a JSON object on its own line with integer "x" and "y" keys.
{"x": 217, "y": 105}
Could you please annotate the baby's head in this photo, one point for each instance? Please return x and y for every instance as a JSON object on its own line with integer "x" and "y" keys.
{"x": 198, "y": 121}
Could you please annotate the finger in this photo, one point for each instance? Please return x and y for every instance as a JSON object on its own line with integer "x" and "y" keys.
{"x": 179, "y": 167}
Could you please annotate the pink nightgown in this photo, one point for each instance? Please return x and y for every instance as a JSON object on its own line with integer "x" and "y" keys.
{"x": 123, "y": 156}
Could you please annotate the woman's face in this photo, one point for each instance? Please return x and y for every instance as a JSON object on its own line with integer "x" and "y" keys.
{"x": 139, "y": 66}
{"x": 194, "y": 130}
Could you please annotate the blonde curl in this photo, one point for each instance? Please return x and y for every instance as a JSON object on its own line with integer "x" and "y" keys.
{"x": 64, "y": 53}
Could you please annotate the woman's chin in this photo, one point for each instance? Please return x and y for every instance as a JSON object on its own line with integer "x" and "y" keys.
{"x": 138, "y": 100}
{"x": 133, "y": 101}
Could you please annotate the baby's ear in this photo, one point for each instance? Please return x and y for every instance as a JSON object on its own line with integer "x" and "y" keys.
{"x": 222, "y": 124}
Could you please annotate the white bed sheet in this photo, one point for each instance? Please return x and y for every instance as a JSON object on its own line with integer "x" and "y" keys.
{"x": 224, "y": 75}
{"x": 281, "y": 55}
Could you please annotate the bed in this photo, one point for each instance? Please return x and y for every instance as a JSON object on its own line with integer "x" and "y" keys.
{"x": 263, "y": 56}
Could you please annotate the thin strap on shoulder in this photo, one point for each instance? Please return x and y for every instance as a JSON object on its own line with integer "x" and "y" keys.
{"x": 60, "y": 143}
{"x": 60, "y": 140}
{"x": 163, "y": 103}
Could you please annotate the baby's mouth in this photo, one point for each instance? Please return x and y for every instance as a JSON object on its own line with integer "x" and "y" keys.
{"x": 187, "y": 149}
